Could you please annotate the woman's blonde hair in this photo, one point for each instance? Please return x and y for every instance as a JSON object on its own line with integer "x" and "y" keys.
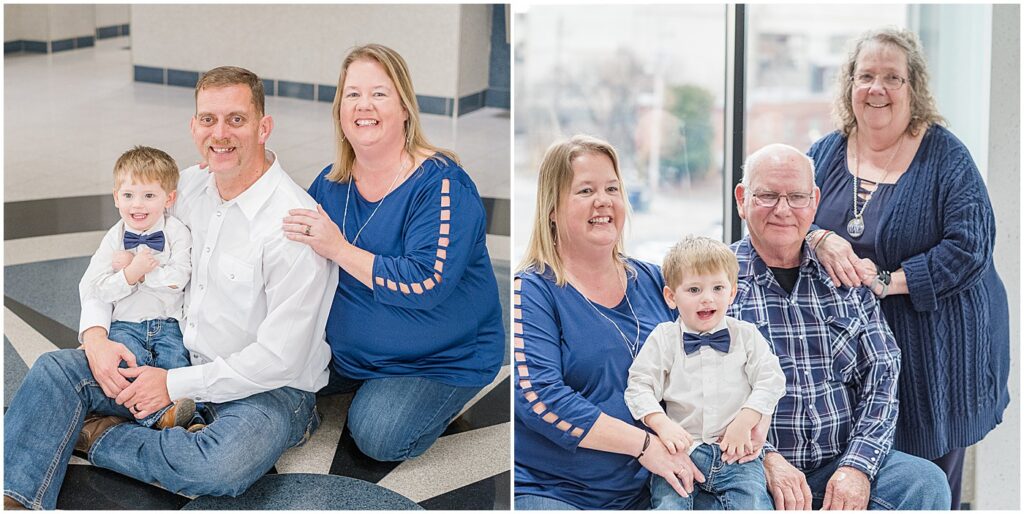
{"x": 923, "y": 111}
{"x": 553, "y": 183}
{"x": 415, "y": 142}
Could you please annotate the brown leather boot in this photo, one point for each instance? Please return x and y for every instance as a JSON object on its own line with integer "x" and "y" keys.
{"x": 179, "y": 415}
{"x": 12, "y": 504}
{"x": 93, "y": 428}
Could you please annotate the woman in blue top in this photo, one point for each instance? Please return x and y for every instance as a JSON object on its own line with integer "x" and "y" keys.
{"x": 905, "y": 212}
{"x": 415, "y": 327}
{"x": 581, "y": 311}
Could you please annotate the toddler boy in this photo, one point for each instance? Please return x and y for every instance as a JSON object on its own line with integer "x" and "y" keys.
{"x": 141, "y": 268}
{"x": 716, "y": 375}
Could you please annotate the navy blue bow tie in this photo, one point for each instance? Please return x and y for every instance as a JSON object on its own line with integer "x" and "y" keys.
{"x": 717, "y": 341}
{"x": 154, "y": 240}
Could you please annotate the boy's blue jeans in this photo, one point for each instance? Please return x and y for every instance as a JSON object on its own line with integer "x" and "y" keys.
{"x": 243, "y": 440}
{"x": 737, "y": 486}
{"x": 155, "y": 342}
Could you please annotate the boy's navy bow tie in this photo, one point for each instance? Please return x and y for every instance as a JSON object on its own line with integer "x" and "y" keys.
{"x": 717, "y": 341}
{"x": 154, "y": 240}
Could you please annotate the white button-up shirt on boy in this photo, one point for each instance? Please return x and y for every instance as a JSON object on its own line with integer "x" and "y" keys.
{"x": 703, "y": 391}
{"x": 161, "y": 295}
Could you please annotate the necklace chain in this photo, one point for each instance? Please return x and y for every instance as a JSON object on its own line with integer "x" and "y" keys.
{"x": 856, "y": 176}
{"x": 855, "y": 227}
{"x": 348, "y": 195}
{"x": 634, "y": 347}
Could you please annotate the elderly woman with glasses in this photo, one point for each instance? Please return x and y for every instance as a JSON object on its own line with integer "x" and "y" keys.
{"x": 905, "y": 212}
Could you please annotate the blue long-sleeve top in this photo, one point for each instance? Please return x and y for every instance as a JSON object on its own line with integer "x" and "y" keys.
{"x": 953, "y": 327}
{"x": 434, "y": 310}
{"x": 572, "y": 365}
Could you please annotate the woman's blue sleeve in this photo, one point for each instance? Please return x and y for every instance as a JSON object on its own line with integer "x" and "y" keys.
{"x": 958, "y": 261}
{"x": 543, "y": 402}
{"x": 446, "y": 229}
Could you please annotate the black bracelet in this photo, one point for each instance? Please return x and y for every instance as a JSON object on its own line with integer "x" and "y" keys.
{"x": 885, "y": 277}
{"x": 647, "y": 443}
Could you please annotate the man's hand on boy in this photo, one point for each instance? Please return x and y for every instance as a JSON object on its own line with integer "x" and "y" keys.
{"x": 147, "y": 393}
{"x": 736, "y": 442}
{"x": 121, "y": 260}
{"x": 104, "y": 356}
{"x": 143, "y": 263}
{"x": 673, "y": 436}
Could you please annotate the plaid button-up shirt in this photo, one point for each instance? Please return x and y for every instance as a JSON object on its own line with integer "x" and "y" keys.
{"x": 839, "y": 357}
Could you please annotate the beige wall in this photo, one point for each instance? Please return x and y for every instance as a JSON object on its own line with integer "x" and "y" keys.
{"x": 997, "y": 479}
{"x": 475, "y": 31}
{"x": 108, "y": 15}
{"x": 42, "y": 22}
{"x": 306, "y": 43}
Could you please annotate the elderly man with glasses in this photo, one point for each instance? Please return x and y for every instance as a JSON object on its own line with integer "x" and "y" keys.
{"x": 830, "y": 441}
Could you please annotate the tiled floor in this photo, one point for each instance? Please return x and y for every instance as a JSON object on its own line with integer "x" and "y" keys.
{"x": 67, "y": 118}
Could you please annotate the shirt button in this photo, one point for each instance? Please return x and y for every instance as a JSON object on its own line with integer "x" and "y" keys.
{"x": 192, "y": 324}
{"x": 207, "y": 249}
{"x": 876, "y": 452}
{"x": 195, "y": 356}
{"x": 219, "y": 213}
{"x": 231, "y": 276}
{"x": 201, "y": 286}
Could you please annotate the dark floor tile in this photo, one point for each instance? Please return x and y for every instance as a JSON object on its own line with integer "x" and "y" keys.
{"x": 305, "y": 491}
{"x": 349, "y": 461}
{"x": 490, "y": 410}
{"x": 64, "y": 215}
{"x": 60, "y": 335}
{"x": 15, "y": 370}
{"x": 92, "y": 488}
{"x": 488, "y": 494}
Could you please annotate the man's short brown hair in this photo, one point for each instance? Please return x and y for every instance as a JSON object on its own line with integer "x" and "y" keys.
{"x": 145, "y": 164}
{"x": 698, "y": 255}
{"x": 233, "y": 75}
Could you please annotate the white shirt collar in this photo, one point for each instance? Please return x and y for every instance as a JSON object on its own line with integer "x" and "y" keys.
{"x": 684, "y": 328}
{"x": 252, "y": 199}
{"x": 158, "y": 226}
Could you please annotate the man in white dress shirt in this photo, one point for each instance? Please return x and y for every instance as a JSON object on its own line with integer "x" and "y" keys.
{"x": 256, "y": 311}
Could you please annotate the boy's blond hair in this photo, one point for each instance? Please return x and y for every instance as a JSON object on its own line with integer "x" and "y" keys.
{"x": 698, "y": 255}
{"x": 145, "y": 164}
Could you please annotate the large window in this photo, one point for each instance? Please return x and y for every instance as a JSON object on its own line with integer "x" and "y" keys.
{"x": 650, "y": 80}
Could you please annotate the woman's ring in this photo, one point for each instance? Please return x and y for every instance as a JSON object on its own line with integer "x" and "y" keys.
{"x": 307, "y": 229}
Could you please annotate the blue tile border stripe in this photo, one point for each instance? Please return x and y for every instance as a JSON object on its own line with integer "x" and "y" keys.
{"x": 111, "y": 31}
{"x": 325, "y": 93}
{"x": 301, "y": 90}
{"x": 182, "y": 78}
{"x": 45, "y": 47}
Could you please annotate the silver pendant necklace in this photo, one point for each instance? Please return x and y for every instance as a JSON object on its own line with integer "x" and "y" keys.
{"x": 348, "y": 195}
{"x": 855, "y": 227}
{"x": 632, "y": 347}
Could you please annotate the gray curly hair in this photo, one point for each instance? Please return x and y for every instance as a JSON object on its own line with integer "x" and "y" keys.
{"x": 922, "y": 104}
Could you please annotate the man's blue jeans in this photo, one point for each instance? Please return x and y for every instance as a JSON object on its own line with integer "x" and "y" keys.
{"x": 241, "y": 443}
{"x": 155, "y": 342}
{"x": 903, "y": 482}
{"x": 737, "y": 486}
{"x": 398, "y": 418}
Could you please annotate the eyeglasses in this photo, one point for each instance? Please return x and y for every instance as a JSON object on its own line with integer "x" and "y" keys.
{"x": 890, "y": 82}
{"x": 771, "y": 199}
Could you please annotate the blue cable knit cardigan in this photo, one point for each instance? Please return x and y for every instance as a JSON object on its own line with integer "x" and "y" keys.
{"x": 953, "y": 327}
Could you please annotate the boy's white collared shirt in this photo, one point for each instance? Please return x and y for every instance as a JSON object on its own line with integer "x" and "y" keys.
{"x": 162, "y": 293}
{"x": 703, "y": 391}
